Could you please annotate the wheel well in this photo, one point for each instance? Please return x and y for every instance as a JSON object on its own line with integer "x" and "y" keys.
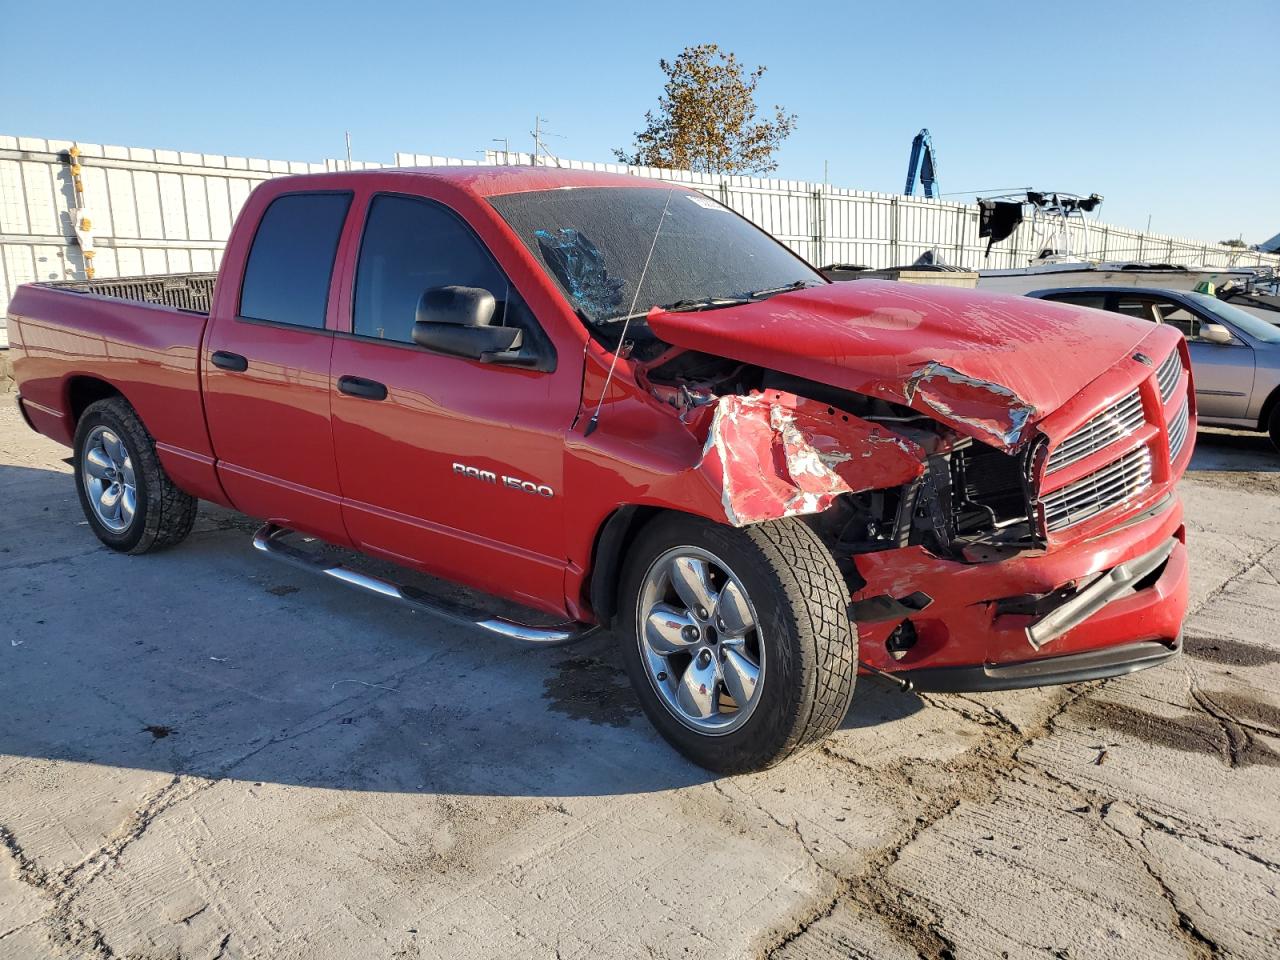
{"x": 82, "y": 391}
{"x": 612, "y": 543}
{"x": 1268, "y": 405}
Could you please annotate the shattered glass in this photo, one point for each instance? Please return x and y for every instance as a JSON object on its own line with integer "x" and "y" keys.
{"x": 597, "y": 242}
{"x": 579, "y": 267}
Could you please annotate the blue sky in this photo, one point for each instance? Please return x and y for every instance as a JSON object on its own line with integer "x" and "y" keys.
{"x": 1165, "y": 108}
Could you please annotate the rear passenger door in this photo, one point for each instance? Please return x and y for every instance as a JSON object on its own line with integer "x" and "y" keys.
{"x": 266, "y": 370}
{"x": 1222, "y": 372}
{"x": 452, "y": 465}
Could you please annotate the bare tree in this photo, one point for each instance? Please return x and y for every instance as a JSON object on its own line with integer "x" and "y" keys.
{"x": 707, "y": 119}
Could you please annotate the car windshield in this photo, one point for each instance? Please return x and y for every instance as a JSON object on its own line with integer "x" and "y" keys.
{"x": 595, "y": 240}
{"x": 1255, "y": 327}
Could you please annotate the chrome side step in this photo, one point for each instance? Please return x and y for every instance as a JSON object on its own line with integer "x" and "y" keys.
{"x": 271, "y": 540}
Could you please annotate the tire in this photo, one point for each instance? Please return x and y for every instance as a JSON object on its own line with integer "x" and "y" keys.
{"x": 1273, "y": 427}
{"x": 803, "y": 644}
{"x": 161, "y": 514}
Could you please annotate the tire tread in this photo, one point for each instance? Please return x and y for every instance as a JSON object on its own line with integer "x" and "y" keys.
{"x": 820, "y": 606}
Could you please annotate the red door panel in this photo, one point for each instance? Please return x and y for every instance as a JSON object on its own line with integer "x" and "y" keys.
{"x": 270, "y": 425}
{"x": 459, "y": 469}
{"x": 423, "y": 471}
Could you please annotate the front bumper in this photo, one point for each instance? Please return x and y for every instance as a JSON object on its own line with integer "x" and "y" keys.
{"x": 1123, "y": 598}
{"x": 1047, "y": 671}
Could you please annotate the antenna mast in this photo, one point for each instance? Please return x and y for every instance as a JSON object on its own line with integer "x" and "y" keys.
{"x": 595, "y": 417}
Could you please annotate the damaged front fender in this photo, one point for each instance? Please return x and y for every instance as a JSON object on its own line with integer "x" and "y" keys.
{"x": 775, "y": 454}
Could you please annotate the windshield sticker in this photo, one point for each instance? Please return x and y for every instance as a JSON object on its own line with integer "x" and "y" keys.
{"x": 706, "y": 203}
{"x": 579, "y": 266}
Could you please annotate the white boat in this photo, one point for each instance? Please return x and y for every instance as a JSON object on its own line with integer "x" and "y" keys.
{"x": 1055, "y": 219}
{"x": 1077, "y": 272}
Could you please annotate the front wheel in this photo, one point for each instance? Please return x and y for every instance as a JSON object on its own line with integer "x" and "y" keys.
{"x": 737, "y": 641}
{"x": 127, "y": 497}
{"x": 1273, "y": 426}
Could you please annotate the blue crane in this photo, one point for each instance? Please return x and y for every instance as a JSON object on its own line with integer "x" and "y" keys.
{"x": 923, "y": 162}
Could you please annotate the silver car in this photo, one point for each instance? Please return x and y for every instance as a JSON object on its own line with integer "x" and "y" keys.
{"x": 1235, "y": 356}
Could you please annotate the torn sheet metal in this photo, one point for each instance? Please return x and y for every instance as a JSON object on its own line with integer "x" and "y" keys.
{"x": 778, "y": 455}
{"x": 989, "y": 409}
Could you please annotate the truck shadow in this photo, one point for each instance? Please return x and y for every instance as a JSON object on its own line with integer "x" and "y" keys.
{"x": 212, "y": 661}
{"x": 1233, "y": 451}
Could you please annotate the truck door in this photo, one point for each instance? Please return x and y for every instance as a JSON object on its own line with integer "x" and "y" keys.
{"x": 448, "y": 464}
{"x": 266, "y": 370}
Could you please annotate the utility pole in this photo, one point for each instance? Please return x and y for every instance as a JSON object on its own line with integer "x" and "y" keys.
{"x": 537, "y": 139}
{"x": 348, "y": 149}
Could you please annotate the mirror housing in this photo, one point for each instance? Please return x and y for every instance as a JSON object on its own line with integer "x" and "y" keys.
{"x": 487, "y": 344}
{"x": 461, "y": 306}
{"x": 455, "y": 320}
{"x": 1215, "y": 333}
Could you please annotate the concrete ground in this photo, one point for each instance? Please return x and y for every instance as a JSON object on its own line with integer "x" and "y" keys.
{"x": 205, "y": 754}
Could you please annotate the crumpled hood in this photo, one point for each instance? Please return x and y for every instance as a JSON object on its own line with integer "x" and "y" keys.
{"x": 987, "y": 365}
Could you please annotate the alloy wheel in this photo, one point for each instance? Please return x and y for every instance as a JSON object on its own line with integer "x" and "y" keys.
{"x": 700, "y": 640}
{"x": 106, "y": 469}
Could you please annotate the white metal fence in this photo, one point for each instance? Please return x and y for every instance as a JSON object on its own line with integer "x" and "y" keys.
{"x": 164, "y": 211}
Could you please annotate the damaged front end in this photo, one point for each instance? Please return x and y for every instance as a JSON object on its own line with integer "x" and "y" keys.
{"x": 871, "y": 474}
{"x": 935, "y": 523}
{"x": 929, "y": 486}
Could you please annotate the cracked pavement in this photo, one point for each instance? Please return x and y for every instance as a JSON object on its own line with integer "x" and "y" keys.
{"x": 204, "y": 754}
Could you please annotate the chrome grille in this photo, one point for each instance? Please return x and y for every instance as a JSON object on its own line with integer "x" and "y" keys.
{"x": 1167, "y": 375}
{"x": 1114, "y": 423}
{"x": 1100, "y": 490}
{"x": 1178, "y": 431}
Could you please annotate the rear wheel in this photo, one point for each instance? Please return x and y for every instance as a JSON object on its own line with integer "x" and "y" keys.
{"x": 128, "y": 499}
{"x": 1273, "y": 426}
{"x": 737, "y": 641}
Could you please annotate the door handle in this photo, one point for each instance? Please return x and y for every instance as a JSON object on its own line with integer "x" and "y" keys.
{"x": 229, "y": 361}
{"x": 360, "y": 387}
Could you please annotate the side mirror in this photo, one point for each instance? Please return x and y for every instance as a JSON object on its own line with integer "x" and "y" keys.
{"x": 455, "y": 320}
{"x": 1215, "y": 333}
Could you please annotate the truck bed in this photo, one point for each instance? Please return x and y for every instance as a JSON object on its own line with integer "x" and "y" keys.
{"x": 140, "y": 335}
{"x": 192, "y": 292}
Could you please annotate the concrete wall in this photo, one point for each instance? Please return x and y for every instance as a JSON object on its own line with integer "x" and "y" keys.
{"x": 164, "y": 211}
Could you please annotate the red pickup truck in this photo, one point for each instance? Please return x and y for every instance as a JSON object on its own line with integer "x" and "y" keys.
{"x": 617, "y": 402}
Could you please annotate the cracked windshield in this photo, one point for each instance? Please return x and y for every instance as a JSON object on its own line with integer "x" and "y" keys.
{"x": 594, "y": 242}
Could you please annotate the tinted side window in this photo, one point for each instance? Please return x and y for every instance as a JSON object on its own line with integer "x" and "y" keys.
{"x": 409, "y": 245}
{"x": 286, "y": 279}
{"x": 1098, "y": 301}
{"x": 1140, "y": 308}
{"x": 1160, "y": 311}
{"x": 1176, "y": 315}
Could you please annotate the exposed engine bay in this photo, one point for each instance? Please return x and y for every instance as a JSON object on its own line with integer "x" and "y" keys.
{"x": 871, "y": 474}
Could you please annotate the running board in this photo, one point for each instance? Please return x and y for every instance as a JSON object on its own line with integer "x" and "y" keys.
{"x": 271, "y": 540}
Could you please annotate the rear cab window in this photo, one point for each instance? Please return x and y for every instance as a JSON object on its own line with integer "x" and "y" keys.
{"x": 287, "y": 274}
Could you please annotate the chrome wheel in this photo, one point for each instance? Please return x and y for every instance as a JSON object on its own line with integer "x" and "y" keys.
{"x": 106, "y": 470}
{"x": 699, "y": 640}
